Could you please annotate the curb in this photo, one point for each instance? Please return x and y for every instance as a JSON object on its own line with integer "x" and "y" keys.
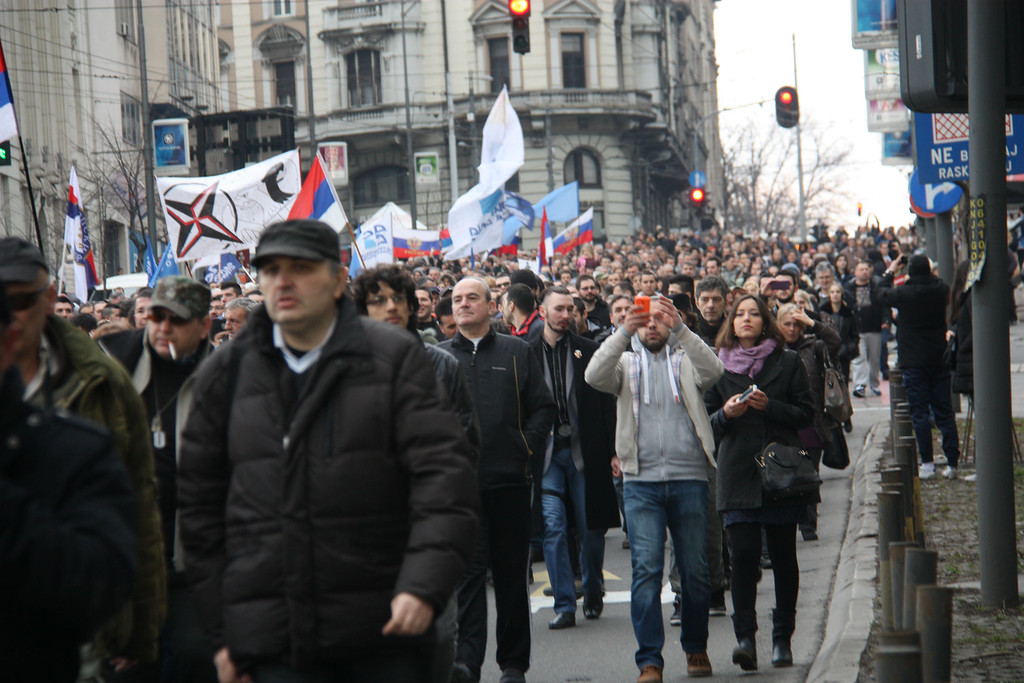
{"x": 851, "y": 608}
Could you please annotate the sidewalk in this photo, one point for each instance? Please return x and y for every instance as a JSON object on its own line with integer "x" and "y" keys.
{"x": 851, "y": 608}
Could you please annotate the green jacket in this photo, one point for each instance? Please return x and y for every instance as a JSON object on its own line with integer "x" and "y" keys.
{"x": 94, "y": 386}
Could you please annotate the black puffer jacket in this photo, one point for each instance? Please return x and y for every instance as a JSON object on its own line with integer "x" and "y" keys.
{"x": 512, "y": 400}
{"x": 921, "y": 328}
{"x": 67, "y": 540}
{"x": 319, "y": 509}
{"x": 784, "y": 380}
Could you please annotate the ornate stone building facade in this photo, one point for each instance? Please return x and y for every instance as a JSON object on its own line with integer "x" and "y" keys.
{"x": 611, "y": 95}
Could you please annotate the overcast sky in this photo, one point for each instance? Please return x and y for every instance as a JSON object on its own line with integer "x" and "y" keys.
{"x": 754, "y": 47}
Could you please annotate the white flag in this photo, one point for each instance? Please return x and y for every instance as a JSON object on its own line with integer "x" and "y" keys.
{"x": 502, "y": 155}
{"x": 228, "y": 212}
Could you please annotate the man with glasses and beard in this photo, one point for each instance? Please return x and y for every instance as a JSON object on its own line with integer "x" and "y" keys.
{"x": 62, "y": 368}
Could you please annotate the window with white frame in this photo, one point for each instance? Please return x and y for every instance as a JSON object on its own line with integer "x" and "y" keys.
{"x": 583, "y": 166}
{"x": 363, "y": 70}
{"x": 574, "y": 72}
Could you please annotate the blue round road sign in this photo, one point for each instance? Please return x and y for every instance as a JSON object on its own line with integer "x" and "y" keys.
{"x": 934, "y": 198}
{"x": 698, "y": 179}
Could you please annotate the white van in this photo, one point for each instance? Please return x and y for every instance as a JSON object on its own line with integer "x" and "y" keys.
{"x": 130, "y": 283}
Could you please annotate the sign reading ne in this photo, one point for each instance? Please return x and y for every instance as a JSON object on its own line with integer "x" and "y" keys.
{"x": 942, "y": 146}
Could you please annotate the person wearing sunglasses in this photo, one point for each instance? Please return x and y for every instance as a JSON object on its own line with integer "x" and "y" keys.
{"x": 161, "y": 359}
{"x": 64, "y": 369}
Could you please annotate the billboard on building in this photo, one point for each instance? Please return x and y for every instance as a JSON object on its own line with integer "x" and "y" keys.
{"x": 335, "y": 158}
{"x": 426, "y": 170}
{"x": 170, "y": 147}
{"x": 874, "y": 24}
{"x": 887, "y": 116}
{"x": 882, "y": 73}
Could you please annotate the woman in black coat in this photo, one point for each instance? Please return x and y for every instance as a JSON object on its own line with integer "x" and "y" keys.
{"x": 753, "y": 351}
{"x": 845, "y": 322}
{"x": 962, "y": 326}
{"x": 812, "y": 340}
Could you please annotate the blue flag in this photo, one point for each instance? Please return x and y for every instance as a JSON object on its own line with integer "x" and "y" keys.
{"x": 150, "y": 260}
{"x": 168, "y": 266}
{"x": 226, "y": 269}
{"x": 563, "y": 204}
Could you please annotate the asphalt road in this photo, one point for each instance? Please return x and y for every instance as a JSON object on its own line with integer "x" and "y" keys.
{"x": 602, "y": 650}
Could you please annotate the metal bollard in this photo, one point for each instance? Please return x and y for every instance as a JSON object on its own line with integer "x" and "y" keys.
{"x": 935, "y": 624}
{"x": 920, "y": 568}
{"x": 905, "y": 450}
{"x": 903, "y": 422}
{"x": 890, "y": 530}
{"x": 898, "y": 659}
{"x": 907, "y": 472}
{"x": 897, "y": 567}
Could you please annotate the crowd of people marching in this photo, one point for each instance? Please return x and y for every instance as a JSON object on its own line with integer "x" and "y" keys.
{"x": 308, "y": 478}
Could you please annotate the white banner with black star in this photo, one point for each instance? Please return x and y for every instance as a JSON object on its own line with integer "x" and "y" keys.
{"x": 228, "y": 212}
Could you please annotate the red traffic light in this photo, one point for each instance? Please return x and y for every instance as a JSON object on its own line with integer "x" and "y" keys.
{"x": 519, "y": 8}
{"x": 787, "y": 107}
{"x": 696, "y": 195}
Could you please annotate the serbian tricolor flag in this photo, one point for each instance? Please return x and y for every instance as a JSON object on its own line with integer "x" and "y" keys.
{"x": 76, "y": 236}
{"x": 8, "y": 122}
{"x": 510, "y": 249}
{"x": 546, "y": 247}
{"x": 318, "y": 200}
{"x": 446, "y": 239}
{"x": 580, "y": 231}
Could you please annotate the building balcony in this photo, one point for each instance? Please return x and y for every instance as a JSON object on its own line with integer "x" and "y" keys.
{"x": 573, "y": 102}
{"x": 368, "y": 17}
{"x": 431, "y": 115}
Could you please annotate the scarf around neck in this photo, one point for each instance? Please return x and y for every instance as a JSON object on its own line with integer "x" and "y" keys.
{"x": 747, "y": 361}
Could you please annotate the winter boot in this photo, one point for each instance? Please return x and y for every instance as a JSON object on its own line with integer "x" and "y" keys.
{"x": 782, "y": 632}
{"x": 744, "y": 624}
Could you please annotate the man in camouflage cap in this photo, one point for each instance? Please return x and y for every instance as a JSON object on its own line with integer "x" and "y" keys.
{"x": 162, "y": 358}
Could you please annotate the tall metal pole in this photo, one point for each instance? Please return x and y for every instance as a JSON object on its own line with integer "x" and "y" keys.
{"x": 548, "y": 144}
{"x": 930, "y": 239}
{"x": 944, "y": 245}
{"x": 453, "y": 158}
{"x": 801, "y": 217}
{"x": 987, "y": 148}
{"x": 471, "y": 117}
{"x": 147, "y": 133}
{"x": 309, "y": 87}
{"x": 408, "y": 125}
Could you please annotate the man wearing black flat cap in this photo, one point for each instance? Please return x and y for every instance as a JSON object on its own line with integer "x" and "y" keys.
{"x": 328, "y": 500}
{"x": 63, "y": 368}
{"x": 921, "y": 338}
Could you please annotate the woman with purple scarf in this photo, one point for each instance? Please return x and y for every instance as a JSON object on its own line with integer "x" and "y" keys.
{"x": 753, "y": 351}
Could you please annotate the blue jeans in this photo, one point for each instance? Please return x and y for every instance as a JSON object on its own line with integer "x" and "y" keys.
{"x": 682, "y": 507}
{"x": 930, "y": 388}
{"x": 562, "y": 481}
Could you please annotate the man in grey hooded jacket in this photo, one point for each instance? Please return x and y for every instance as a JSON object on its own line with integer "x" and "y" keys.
{"x": 665, "y": 443}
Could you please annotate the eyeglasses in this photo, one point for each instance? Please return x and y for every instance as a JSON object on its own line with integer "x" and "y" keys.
{"x": 378, "y": 300}
{"x": 159, "y": 315}
{"x": 25, "y": 300}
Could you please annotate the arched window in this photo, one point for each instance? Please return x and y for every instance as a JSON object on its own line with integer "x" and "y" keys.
{"x": 380, "y": 185}
{"x": 363, "y": 72}
{"x": 583, "y": 166}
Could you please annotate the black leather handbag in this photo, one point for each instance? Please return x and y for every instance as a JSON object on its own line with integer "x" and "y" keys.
{"x": 787, "y": 473}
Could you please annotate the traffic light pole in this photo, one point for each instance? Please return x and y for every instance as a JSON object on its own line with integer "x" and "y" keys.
{"x": 408, "y": 126}
{"x": 986, "y": 51}
{"x": 147, "y": 132}
{"x": 801, "y": 216}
